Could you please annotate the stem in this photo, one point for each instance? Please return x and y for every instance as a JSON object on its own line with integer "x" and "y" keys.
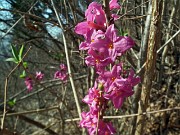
{"x": 98, "y": 123}
{"x": 107, "y": 11}
{"x": 142, "y": 59}
{"x": 67, "y": 60}
{"x": 6, "y": 86}
{"x": 132, "y": 115}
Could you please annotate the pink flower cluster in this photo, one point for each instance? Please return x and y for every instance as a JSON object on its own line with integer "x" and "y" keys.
{"x": 29, "y": 81}
{"x": 62, "y": 73}
{"x": 103, "y": 46}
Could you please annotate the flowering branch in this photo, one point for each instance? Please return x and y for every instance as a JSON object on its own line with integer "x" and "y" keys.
{"x": 103, "y": 47}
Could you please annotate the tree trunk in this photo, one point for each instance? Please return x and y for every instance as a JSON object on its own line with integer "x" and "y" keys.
{"x": 149, "y": 74}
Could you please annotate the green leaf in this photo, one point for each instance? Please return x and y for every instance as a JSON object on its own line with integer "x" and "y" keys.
{"x": 12, "y": 102}
{"x": 23, "y": 75}
{"x": 125, "y": 34}
{"x": 12, "y": 59}
{"x": 25, "y": 64}
{"x": 14, "y": 52}
{"x": 121, "y": 31}
{"x": 21, "y": 52}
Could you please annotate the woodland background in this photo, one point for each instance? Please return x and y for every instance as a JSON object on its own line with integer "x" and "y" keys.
{"x": 51, "y": 107}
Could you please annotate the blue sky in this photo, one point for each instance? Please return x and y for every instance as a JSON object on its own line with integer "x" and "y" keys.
{"x": 4, "y": 15}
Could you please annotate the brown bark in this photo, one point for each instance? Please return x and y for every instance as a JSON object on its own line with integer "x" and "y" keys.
{"x": 141, "y": 61}
{"x": 149, "y": 74}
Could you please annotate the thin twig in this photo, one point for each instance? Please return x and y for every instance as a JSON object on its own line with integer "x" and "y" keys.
{"x": 67, "y": 60}
{"x": 134, "y": 9}
{"x": 4, "y": 111}
{"x": 31, "y": 111}
{"x": 17, "y": 22}
{"x": 140, "y": 69}
{"x": 136, "y": 17}
{"x": 53, "y": 83}
{"x": 38, "y": 124}
{"x": 144, "y": 113}
{"x": 158, "y": 51}
{"x": 6, "y": 86}
{"x": 40, "y": 90}
{"x": 132, "y": 115}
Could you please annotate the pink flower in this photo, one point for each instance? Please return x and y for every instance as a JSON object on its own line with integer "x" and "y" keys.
{"x": 114, "y": 5}
{"x": 91, "y": 37}
{"x": 29, "y": 83}
{"x": 122, "y": 88}
{"x": 82, "y": 28}
{"x": 118, "y": 95}
{"x": 116, "y": 45}
{"x": 93, "y": 99}
{"x": 61, "y": 75}
{"x": 89, "y": 121}
{"x": 115, "y": 16}
{"x": 39, "y": 76}
{"x": 106, "y": 128}
{"x": 123, "y": 44}
{"x": 63, "y": 67}
{"x": 109, "y": 77}
{"x": 95, "y": 14}
{"x": 92, "y": 95}
{"x": 98, "y": 58}
{"x": 108, "y": 41}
